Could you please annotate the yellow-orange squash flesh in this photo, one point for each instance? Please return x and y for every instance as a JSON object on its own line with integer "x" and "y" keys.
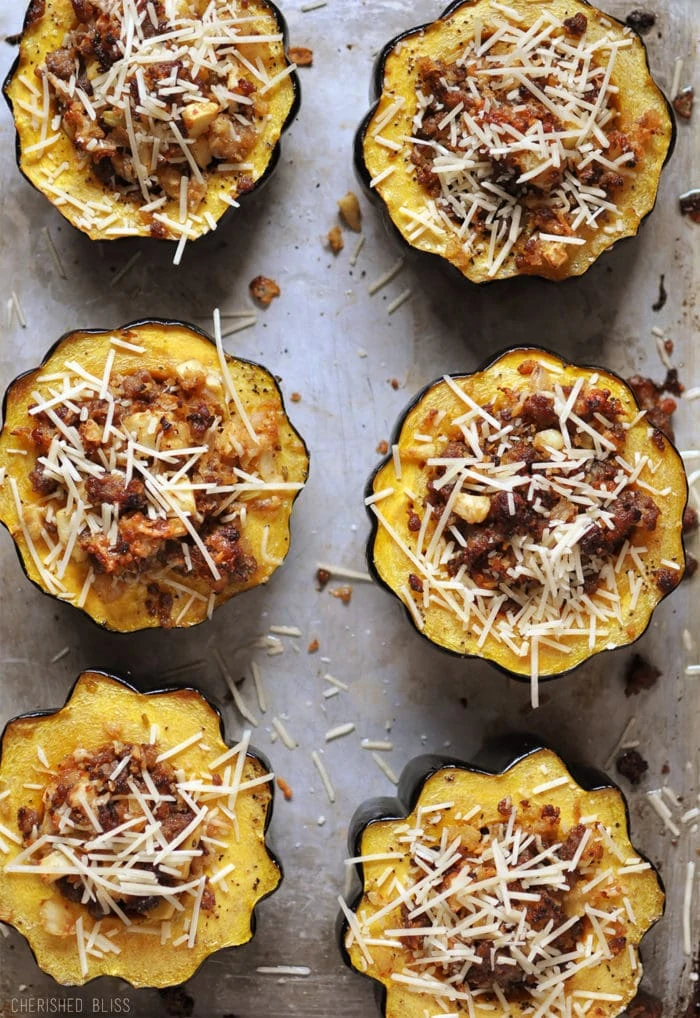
{"x": 100, "y": 710}
{"x": 430, "y": 224}
{"x": 446, "y": 799}
{"x": 458, "y": 616}
{"x": 66, "y": 176}
{"x": 277, "y": 470}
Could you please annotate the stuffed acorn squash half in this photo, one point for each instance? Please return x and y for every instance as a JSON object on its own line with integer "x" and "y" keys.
{"x": 133, "y": 836}
{"x": 515, "y": 139}
{"x": 494, "y": 894}
{"x": 528, "y": 514}
{"x": 148, "y": 476}
{"x": 150, "y": 120}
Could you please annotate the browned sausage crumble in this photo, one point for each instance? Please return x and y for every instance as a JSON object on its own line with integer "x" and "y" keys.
{"x": 659, "y": 408}
{"x": 684, "y": 101}
{"x": 640, "y": 674}
{"x": 632, "y": 765}
{"x": 302, "y": 56}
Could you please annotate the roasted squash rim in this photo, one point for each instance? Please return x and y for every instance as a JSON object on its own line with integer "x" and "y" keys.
{"x": 259, "y": 183}
{"x": 374, "y": 522}
{"x": 253, "y": 752}
{"x": 65, "y": 337}
{"x": 509, "y": 751}
{"x": 364, "y": 176}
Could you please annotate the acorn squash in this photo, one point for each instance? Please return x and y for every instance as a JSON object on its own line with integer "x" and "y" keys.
{"x": 131, "y": 131}
{"x": 498, "y": 893}
{"x": 528, "y": 514}
{"x": 102, "y": 898}
{"x": 518, "y": 139}
{"x": 143, "y": 482}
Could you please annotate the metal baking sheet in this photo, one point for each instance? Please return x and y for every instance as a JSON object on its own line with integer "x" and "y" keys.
{"x": 340, "y": 349}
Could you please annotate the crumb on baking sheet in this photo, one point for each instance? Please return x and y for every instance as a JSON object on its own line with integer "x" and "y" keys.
{"x": 322, "y": 578}
{"x": 295, "y": 397}
{"x": 690, "y": 204}
{"x": 264, "y": 290}
{"x": 284, "y": 788}
{"x": 691, "y": 566}
{"x": 394, "y": 383}
{"x": 350, "y": 212}
{"x": 662, "y": 298}
{"x": 640, "y": 21}
{"x": 683, "y": 102}
{"x": 632, "y": 765}
{"x": 343, "y": 593}
{"x": 640, "y": 674}
{"x": 382, "y": 447}
{"x": 177, "y": 1002}
{"x": 302, "y": 56}
{"x": 644, "y": 1005}
{"x": 335, "y": 239}
{"x": 313, "y": 646}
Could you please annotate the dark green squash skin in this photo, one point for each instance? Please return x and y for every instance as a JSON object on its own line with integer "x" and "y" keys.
{"x": 374, "y": 522}
{"x": 494, "y": 757}
{"x": 132, "y": 325}
{"x": 364, "y": 177}
{"x": 254, "y": 753}
{"x": 31, "y": 15}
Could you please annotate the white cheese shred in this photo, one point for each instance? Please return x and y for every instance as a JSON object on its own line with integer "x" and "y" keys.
{"x": 323, "y": 774}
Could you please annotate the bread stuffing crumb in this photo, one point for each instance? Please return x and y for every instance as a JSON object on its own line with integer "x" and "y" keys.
{"x": 335, "y": 240}
{"x": 350, "y": 212}
{"x": 302, "y": 56}
{"x": 264, "y": 290}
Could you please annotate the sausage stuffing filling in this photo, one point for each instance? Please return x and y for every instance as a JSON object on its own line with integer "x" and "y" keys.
{"x": 146, "y": 477}
{"x": 556, "y": 467}
{"x": 515, "y": 141}
{"x": 126, "y": 789}
{"x": 503, "y": 910}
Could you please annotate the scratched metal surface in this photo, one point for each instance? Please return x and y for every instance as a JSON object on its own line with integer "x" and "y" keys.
{"x": 314, "y": 337}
